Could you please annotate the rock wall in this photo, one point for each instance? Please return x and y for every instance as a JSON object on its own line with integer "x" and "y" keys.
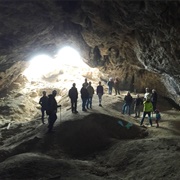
{"x": 135, "y": 40}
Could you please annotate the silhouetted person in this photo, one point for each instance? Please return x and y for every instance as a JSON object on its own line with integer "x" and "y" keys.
{"x": 110, "y": 84}
{"x": 90, "y": 92}
{"x": 137, "y": 105}
{"x": 52, "y": 110}
{"x": 84, "y": 97}
{"x": 154, "y": 97}
{"x": 73, "y": 95}
{"x": 85, "y": 83}
{"x": 100, "y": 92}
{"x": 127, "y": 104}
{"x": 43, "y": 102}
{"x": 116, "y": 86}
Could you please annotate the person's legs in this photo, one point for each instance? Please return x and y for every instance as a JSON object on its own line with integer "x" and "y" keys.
{"x": 84, "y": 104}
{"x": 72, "y": 105}
{"x": 75, "y": 106}
{"x": 149, "y": 117}
{"x": 135, "y": 111}
{"x": 129, "y": 109}
{"x": 154, "y": 106}
{"x": 142, "y": 120}
{"x": 52, "y": 119}
{"x": 90, "y": 102}
{"x": 157, "y": 123}
{"x": 110, "y": 90}
{"x": 115, "y": 91}
{"x": 100, "y": 98}
{"x": 124, "y": 108}
{"x": 42, "y": 116}
{"x": 138, "y": 111}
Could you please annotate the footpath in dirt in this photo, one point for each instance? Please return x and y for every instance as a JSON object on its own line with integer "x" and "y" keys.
{"x": 98, "y": 144}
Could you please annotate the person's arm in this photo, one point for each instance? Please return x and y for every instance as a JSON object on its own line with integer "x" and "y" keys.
{"x": 40, "y": 101}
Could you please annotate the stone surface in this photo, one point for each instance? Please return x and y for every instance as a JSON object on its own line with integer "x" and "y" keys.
{"x": 138, "y": 41}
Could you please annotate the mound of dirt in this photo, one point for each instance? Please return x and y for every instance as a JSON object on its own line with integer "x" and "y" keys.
{"x": 93, "y": 133}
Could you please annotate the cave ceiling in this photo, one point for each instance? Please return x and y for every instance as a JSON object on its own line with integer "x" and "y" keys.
{"x": 135, "y": 40}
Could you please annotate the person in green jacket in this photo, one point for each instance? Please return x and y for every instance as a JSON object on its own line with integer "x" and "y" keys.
{"x": 147, "y": 109}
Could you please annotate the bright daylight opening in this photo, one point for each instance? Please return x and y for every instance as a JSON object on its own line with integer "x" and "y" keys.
{"x": 60, "y": 72}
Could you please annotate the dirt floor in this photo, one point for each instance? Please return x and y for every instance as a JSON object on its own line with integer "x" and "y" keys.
{"x": 98, "y": 144}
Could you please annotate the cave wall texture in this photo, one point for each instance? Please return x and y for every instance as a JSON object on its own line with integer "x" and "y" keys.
{"x": 138, "y": 41}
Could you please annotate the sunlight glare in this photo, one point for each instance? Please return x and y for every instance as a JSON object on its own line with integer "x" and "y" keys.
{"x": 39, "y": 66}
{"x": 70, "y": 57}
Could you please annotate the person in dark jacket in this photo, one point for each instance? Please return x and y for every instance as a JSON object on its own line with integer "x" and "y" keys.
{"x": 85, "y": 83}
{"x": 52, "y": 110}
{"x": 110, "y": 84}
{"x": 137, "y": 105}
{"x": 90, "y": 92}
{"x": 154, "y": 98}
{"x": 100, "y": 92}
{"x": 43, "y": 102}
{"x": 84, "y": 97}
{"x": 73, "y": 95}
{"x": 127, "y": 105}
{"x": 117, "y": 86}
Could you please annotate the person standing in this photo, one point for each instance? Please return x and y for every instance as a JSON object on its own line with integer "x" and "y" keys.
{"x": 154, "y": 97}
{"x": 84, "y": 97}
{"x": 127, "y": 104}
{"x": 43, "y": 102}
{"x": 147, "y": 109}
{"x": 100, "y": 92}
{"x": 116, "y": 86}
{"x": 110, "y": 84}
{"x": 85, "y": 83}
{"x": 158, "y": 117}
{"x": 147, "y": 94}
{"x": 137, "y": 105}
{"x": 73, "y": 95}
{"x": 90, "y": 92}
{"x": 52, "y": 110}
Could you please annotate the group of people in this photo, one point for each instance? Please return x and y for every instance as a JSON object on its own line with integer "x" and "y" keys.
{"x": 49, "y": 104}
{"x": 114, "y": 83}
{"x": 149, "y": 102}
{"x": 87, "y": 92}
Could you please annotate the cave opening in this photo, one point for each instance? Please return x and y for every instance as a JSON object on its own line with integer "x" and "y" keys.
{"x": 59, "y": 72}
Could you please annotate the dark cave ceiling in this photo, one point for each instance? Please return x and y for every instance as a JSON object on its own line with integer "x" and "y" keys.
{"x": 138, "y": 41}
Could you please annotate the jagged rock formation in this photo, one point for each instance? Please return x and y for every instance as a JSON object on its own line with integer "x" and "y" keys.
{"x": 135, "y": 40}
